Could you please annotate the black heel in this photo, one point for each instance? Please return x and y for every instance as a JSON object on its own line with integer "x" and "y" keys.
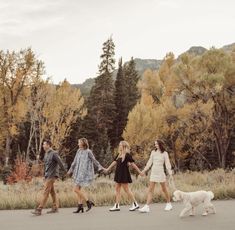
{"x": 79, "y": 209}
{"x": 89, "y": 205}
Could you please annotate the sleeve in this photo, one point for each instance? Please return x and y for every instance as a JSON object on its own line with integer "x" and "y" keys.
{"x": 129, "y": 158}
{"x": 149, "y": 163}
{"x": 95, "y": 162}
{"x": 59, "y": 161}
{"x": 72, "y": 167}
{"x": 167, "y": 163}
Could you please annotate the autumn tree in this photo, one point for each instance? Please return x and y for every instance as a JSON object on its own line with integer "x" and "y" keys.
{"x": 191, "y": 109}
{"x": 53, "y": 110}
{"x": 17, "y": 69}
{"x": 209, "y": 78}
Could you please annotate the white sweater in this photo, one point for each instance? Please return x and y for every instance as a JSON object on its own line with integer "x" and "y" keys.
{"x": 156, "y": 161}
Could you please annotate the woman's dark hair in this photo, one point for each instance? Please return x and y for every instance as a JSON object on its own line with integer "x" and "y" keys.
{"x": 48, "y": 142}
{"x": 161, "y": 145}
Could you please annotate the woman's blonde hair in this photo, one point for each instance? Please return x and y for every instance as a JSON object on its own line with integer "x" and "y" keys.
{"x": 125, "y": 146}
{"x": 84, "y": 143}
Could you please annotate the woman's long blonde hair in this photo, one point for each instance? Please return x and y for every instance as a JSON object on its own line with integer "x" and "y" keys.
{"x": 125, "y": 148}
{"x": 84, "y": 143}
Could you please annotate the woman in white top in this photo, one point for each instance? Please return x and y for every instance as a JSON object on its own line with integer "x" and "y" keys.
{"x": 157, "y": 159}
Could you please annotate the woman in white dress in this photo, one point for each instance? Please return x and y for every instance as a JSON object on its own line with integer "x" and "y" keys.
{"x": 157, "y": 159}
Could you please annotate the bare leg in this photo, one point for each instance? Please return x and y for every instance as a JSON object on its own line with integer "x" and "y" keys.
{"x": 78, "y": 196}
{"x": 118, "y": 192}
{"x": 128, "y": 192}
{"x": 150, "y": 192}
{"x": 81, "y": 195}
{"x": 164, "y": 189}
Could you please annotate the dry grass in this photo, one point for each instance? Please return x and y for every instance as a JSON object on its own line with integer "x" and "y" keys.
{"x": 25, "y": 195}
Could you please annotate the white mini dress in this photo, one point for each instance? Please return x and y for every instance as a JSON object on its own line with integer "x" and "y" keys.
{"x": 156, "y": 161}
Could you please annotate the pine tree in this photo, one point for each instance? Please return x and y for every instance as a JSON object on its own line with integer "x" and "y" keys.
{"x": 126, "y": 96}
{"x": 120, "y": 103}
{"x": 98, "y": 124}
{"x": 131, "y": 80}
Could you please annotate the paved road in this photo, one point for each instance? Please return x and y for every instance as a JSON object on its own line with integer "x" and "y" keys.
{"x": 100, "y": 218}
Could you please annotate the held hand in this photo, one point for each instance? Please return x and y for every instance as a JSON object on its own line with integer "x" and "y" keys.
{"x": 68, "y": 174}
{"x": 101, "y": 170}
{"x": 64, "y": 177}
{"x": 105, "y": 171}
{"x": 142, "y": 173}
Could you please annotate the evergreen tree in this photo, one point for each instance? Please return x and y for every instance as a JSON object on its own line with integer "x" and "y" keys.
{"x": 131, "y": 79}
{"x": 98, "y": 124}
{"x": 126, "y": 96}
{"x": 120, "y": 103}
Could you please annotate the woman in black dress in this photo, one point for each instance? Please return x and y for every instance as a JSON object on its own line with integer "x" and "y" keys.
{"x": 122, "y": 175}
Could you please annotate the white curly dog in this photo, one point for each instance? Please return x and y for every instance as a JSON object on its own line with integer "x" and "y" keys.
{"x": 193, "y": 199}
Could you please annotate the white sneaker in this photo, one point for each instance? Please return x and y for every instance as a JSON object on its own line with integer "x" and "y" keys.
{"x": 116, "y": 207}
{"x": 144, "y": 209}
{"x": 134, "y": 206}
{"x": 168, "y": 207}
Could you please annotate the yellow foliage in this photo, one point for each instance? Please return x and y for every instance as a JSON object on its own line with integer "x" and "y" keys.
{"x": 184, "y": 111}
{"x": 60, "y": 108}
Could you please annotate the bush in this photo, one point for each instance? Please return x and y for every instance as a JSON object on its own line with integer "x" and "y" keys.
{"x": 21, "y": 172}
{"x": 37, "y": 170}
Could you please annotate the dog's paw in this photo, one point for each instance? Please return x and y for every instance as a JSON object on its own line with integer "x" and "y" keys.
{"x": 204, "y": 214}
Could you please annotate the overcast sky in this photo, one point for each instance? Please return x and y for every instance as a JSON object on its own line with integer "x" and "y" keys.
{"x": 68, "y": 34}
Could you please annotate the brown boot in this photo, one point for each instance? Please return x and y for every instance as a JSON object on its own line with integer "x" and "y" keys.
{"x": 37, "y": 212}
{"x": 53, "y": 210}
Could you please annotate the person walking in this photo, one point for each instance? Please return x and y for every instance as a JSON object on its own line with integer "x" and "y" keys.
{"x": 52, "y": 162}
{"x": 82, "y": 170}
{"x": 122, "y": 175}
{"x": 157, "y": 159}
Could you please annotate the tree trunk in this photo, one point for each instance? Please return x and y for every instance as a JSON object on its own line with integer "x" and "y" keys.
{"x": 222, "y": 129}
{"x": 32, "y": 131}
{"x": 8, "y": 149}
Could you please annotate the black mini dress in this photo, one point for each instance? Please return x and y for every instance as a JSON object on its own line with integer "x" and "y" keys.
{"x": 122, "y": 173}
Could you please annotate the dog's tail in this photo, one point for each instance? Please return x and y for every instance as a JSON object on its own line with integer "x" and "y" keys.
{"x": 211, "y": 194}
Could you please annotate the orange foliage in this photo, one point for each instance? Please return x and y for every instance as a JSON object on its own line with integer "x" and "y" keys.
{"x": 21, "y": 172}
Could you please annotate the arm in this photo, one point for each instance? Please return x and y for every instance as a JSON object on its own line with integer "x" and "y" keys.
{"x": 96, "y": 163}
{"x": 167, "y": 163}
{"x": 149, "y": 163}
{"x": 59, "y": 161}
{"x": 110, "y": 166}
{"x": 72, "y": 167}
{"x": 136, "y": 167}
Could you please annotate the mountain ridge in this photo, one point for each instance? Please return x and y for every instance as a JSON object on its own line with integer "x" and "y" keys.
{"x": 144, "y": 64}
